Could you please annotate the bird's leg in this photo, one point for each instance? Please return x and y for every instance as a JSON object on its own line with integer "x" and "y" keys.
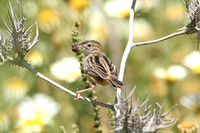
{"x": 78, "y": 93}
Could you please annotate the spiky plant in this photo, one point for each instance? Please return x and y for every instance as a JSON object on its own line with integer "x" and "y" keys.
{"x": 133, "y": 119}
{"x": 193, "y": 12}
{"x": 18, "y": 39}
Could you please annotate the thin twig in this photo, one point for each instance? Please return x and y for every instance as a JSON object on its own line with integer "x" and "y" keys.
{"x": 160, "y": 39}
{"x": 72, "y": 93}
{"x": 65, "y": 89}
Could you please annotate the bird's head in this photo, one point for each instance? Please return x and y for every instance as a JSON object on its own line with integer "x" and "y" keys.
{"x": 88, "y": 47}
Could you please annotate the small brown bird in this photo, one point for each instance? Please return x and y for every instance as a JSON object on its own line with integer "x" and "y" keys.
{"x": 97, "y": 66}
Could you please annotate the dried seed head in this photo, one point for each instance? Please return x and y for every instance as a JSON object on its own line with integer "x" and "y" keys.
{"x": 193, "y": 12}
{"x": 19, "y": 38}
{"x": 137, "y": 117}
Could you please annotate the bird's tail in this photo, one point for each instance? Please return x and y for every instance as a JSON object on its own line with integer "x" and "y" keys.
{"x": 115, "y": 82}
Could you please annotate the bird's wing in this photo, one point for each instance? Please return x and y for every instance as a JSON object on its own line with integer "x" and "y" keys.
{"x": 112, "y": 68}
{"x": 99, "y": 65}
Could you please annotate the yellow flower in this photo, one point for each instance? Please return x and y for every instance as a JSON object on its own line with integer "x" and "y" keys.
{"x": 79, "y": 4}
{"x": 4, "y": 122}
{"x": 192, "y": 61}
{"x": 188, "y": 127}
{"x": 48, "y": 19}
{"x": 35, "y": 58}
{"x": 36, "y": 112}
{"x": 15, "y": 89}
{"x": 174, "y": 13}
{"x": 118, "y": 8}
{"x": 67, "y": 69}
{"x": 124, "y": 13}
{"x": 172, "y": 74}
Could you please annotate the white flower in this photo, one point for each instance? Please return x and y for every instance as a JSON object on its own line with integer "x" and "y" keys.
{"x": 67, "y": 69}
{"x": 173, "y": 73}
{"x": 36, "y": 112}
{"x": 15, "y": 89}
{"x": 160, "y": 73}
{"x": 118, "y": 8}
{"x": 192, "y": 61}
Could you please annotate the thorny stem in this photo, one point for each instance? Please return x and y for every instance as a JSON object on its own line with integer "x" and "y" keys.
{"x": 65, "y": 89}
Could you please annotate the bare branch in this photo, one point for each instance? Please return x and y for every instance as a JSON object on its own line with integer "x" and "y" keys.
{"x": 26, "y": 65}
{"x": 124, "y": 58}
{"x": 160, "y": 39}
{"x": 128, "y": 46}
{"x": 130, "y": 43}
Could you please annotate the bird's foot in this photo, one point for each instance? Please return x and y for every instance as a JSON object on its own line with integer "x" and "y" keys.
{"x": 78, "y": 93}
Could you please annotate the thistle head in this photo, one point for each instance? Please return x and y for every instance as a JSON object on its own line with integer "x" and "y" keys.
{"x": 140, "y": 117}
{"x": 193, "y": 12}
{"x": 18, "y": 39}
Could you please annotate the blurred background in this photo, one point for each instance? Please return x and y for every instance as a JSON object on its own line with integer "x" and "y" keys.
{"x": 166, "y": 72}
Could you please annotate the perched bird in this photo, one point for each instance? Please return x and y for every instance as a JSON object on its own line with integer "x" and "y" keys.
{"x": 97, "y": 66}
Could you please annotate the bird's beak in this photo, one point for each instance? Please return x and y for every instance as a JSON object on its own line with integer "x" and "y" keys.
{"x": 75, "y": 47}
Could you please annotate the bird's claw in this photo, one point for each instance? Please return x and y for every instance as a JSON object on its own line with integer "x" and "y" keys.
{"x": 78, "y": 95}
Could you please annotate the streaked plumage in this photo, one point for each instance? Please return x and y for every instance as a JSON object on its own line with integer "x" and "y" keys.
{"x": 96, "y": 65}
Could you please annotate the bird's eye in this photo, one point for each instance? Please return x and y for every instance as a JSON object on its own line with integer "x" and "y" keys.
{"x": 89, "y": 45}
